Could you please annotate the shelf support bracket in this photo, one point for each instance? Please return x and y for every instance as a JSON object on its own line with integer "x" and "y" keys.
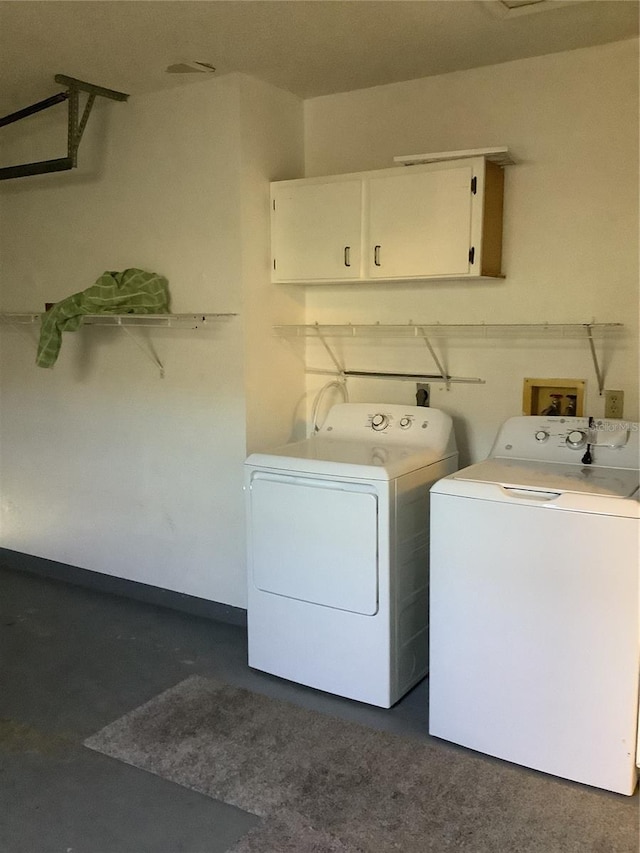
{"x": 445, "y": 376}
{"x": 324, "y": 343}
{"x": 75, "y": 126}
{"x": 150, "y": 354}
{"x": 594, "y": 356}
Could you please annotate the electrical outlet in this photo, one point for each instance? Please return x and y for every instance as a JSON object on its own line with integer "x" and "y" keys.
{"x": 423, "y": 394}
{"x": 613, "y": 404}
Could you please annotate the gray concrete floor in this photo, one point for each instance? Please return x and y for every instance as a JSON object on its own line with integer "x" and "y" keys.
{"x": 74, "y": 659}
{"x": 71, "y": 661}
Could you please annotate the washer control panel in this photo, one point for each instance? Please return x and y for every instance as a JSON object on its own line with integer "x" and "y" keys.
{"x": 572, "y": 433}
{"x": 554, "y": 439}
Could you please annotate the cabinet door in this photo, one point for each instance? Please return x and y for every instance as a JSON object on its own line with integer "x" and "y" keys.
{"x": 316, "y": 231}
{"x": 420, "y": 224}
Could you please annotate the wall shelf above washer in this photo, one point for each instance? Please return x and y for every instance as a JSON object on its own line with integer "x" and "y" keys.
{"x": 453, "y": 330}
{"x": 425, "y": 331}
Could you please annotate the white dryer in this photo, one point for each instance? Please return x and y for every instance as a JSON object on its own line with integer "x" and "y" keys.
{"x": 534, "y": 620}
{"x": 338, "y": 550}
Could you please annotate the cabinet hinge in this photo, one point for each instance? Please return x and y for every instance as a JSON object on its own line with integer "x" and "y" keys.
{"x": 472, "y": 254}
{"x": 474, "y": 185}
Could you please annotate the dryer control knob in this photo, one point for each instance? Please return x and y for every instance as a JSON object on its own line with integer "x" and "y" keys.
{"x": 542, "y": 435}
{"x": 576, "y": 438}
{"x": 379, "y": 422}
{"x": 405, "y": 423}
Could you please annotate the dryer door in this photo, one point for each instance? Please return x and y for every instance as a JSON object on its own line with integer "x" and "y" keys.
{"x": 314, "y": 540}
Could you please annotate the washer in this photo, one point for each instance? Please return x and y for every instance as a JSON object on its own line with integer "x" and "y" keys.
{"x": 534, "y": 623}
{"x": 338, "y": 550}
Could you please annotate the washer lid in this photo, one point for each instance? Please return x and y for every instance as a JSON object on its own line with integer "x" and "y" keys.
{"x": 354, "y": 459}
{"x": 553, "y": 476}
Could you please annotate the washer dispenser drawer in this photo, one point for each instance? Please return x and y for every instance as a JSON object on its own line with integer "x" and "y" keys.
{"x": 315, "y": 541}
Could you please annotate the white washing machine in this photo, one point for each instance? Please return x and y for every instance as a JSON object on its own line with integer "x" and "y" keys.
{"x": 338, "y": 550}
{"x": 534, "y": 621}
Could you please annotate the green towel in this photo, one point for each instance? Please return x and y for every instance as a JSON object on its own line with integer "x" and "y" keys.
{"x": 129, "y": 292}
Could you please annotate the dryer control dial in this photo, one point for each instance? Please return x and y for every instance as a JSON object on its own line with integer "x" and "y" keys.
{"x": 379, "y": 422}
{"x": 542, "y": 435}
{"x": 576, "y": 438}
{"x": 405, "y": 423}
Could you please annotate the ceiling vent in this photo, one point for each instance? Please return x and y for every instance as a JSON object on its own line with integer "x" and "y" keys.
{"x": 191, "y": 67}
{"x": 518, "y": 4}
{"x": 513, "y": 8}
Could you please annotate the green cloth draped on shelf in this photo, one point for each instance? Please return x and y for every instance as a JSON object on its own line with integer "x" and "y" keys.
{"x": 129, "y": 292}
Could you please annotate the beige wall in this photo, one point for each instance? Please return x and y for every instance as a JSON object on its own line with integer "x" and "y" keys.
{"x": 571, "y": 224}
{"x": 274, "y": 377}
{"x": 105, "y": 465}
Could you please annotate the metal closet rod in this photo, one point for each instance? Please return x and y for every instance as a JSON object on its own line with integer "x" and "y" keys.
{"x": 409, "y": 377}
{"x": 412, "y": 377}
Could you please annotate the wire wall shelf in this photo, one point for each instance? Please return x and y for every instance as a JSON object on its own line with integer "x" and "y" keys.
{"x": 589, "y": 332}
{"x": 190, "y": 321}
{"x": 454, "y": 330}
{"x": 127, "y": 322}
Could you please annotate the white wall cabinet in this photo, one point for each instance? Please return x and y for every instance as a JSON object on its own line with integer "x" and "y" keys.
{"x": 316, "y": 230}
{"x": 435, "y": 220}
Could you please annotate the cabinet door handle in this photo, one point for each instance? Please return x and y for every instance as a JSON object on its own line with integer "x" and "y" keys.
{"x": 347, "y": 256}
{"x": 376, "y": 256}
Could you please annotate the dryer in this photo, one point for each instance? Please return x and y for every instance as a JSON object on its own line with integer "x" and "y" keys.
{"x": 338, "y": 550}
{"x": 535, "y": 650}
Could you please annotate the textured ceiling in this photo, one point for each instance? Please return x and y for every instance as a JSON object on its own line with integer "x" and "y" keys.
{"x": 309, "y": 47}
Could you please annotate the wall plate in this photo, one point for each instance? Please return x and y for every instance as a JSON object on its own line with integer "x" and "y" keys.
{"x": 542, "y": 396}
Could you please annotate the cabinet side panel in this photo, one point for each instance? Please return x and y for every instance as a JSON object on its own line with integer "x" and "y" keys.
{"x": 492, "y": 220}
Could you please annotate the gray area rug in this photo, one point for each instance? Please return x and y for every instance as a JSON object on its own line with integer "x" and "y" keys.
{"x": 324, "y": 785}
